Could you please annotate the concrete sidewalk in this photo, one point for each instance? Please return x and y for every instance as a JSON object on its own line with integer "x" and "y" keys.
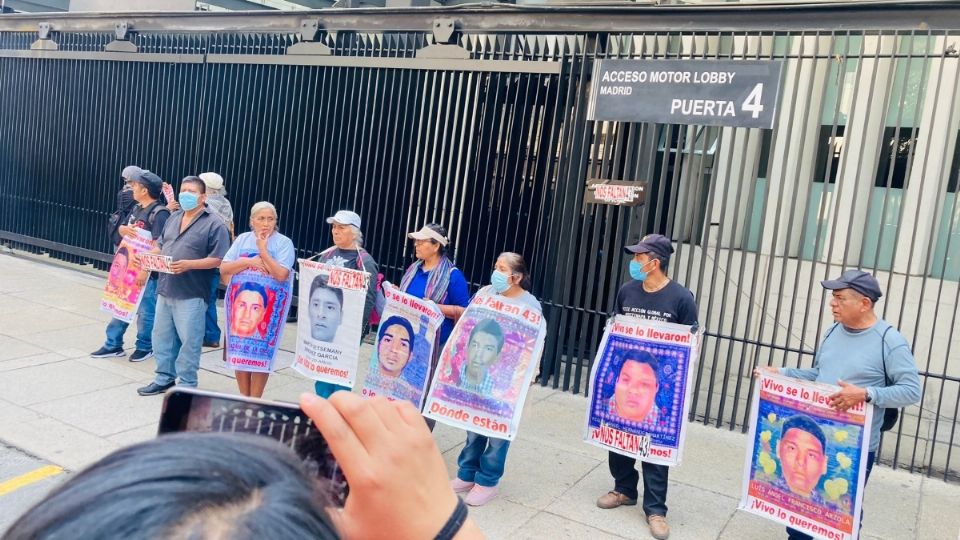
{"x": 58, "y": 404}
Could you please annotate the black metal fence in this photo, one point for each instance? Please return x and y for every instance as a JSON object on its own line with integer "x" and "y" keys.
{"x": 486, "y": 133}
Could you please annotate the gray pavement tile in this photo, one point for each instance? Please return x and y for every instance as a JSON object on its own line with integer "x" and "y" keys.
{"x": 28, "y": 361}
{"x": 42, "y": 319}
{"x": 70, "y": 297}
{"x": 12, "y": 348}
{"x": 501, "y": 518}
{"x": 450, "y": 440}
{"x": 889, "y": 497}
{"x": 57, "y": 442}
{"x": 53, "y": 381}
{"x": 748, "y": 526}
{"x": 547, "y": 525}
{"x": 558, "y": 426}
{"x": 104, "y": 412}
{"x": 11, "y": 413}
{"x": 122, "y": 366}
{"x": 135, "y": 435}
{"x": 87, "y": 337}
{"x": 938, "y": 516}
{"x": 556, "y": 472}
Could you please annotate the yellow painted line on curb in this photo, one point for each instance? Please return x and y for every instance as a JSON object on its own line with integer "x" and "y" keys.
{"x": 31, "y": 477}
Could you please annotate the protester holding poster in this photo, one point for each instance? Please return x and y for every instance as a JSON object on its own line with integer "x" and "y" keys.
{"x": 330, "y": 323}
{"x": 434, "y": 277}
{"x": 484, "y": 372}
{"x": 639, "y": 389}
{"x": 868, "y": 359}
{"x": 400, "y": 364}
{"x": 653, "y": 296}
{"x": 347, "y": 252}
{"x": 143, "y": 223}
{"x": 258, "y": 297}
{"x": 804, "y": 465}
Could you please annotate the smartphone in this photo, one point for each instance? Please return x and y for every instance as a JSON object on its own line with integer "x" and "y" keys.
{"x": 187, "y": 409}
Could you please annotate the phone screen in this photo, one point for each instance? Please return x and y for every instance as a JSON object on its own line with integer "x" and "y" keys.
{"x": 205, "y": 412}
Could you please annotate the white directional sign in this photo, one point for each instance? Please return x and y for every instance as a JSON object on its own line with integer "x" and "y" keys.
{"x": 735, "y": 93}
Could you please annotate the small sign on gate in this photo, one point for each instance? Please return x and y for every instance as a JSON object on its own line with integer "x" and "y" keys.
{"x": 615, "y": 192}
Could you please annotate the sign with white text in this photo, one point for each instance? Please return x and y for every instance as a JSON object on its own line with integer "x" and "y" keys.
{"x": 734, "y": 93}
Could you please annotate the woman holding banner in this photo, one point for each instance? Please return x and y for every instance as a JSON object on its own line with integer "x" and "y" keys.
{"x": 260, "y": 267}
{"x": 347, "y": 252}
{"x": 434, "y": 277}
{"x": 482, "y": 460}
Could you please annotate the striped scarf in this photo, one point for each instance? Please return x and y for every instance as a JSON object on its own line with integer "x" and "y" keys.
{"x": 438, "y": 279}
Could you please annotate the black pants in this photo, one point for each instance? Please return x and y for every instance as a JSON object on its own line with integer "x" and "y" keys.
{"x": 625, "y": 478}
{"x": 793, "y": 534}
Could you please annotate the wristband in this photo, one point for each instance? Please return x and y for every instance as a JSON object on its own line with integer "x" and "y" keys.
{"x": 454, "y": 523}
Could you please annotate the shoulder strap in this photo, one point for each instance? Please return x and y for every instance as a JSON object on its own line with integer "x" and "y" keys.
{"x": 883, "y": 355}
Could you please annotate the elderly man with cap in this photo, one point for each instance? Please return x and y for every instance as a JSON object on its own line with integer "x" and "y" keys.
{"x": 347, "y": 252}
{"x": 147, "y": 214}
{"x": 649, "y": 295}
{"x": 862, "y": 354}
{"x": 219, "y": 206}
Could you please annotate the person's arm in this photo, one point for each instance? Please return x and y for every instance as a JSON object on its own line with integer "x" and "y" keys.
{"x": 902, "y": 372}
{"x": 232, "y": 263}
{"x": 370, "y": 265}
{"x": 397, "y": 476}
{"x": 458, "y": 296}
{"x": 273, "y": 267}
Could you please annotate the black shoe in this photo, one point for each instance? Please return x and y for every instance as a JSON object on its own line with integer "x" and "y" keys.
{"x": 212, "y": 344}
{"x": 106, "y": 352}
{"x": 153, "y": 389}
{"x": 139, "y": 355}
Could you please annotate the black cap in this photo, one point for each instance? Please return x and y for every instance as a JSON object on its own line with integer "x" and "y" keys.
{"x": 858, "y": 280}
{"x": 657, "y": 244}
{"x": 150, "y": 180}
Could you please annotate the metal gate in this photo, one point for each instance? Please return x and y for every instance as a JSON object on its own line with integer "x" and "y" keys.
{"x": 481, "y": 126}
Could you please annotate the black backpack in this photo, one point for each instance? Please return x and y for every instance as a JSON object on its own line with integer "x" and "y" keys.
{"x": 117, "y": 218}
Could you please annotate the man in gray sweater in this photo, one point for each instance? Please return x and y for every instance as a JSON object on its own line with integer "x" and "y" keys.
{"x": 862, "y": 354}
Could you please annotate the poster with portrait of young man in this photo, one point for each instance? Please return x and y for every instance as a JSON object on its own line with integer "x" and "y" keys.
{"x": 256, "y": 307}
{"x": 121, "y": 294}
{"x": 485, "y": 368}
{"x": 406, "y": 336}
{"x": 640, "y": 388}
{"x": 804, "y": 461}
{"x": 330, "y": 322}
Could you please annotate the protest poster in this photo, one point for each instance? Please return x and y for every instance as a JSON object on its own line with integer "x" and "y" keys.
{"x": 256, "y": 307}
{"x": 330, "y": 322}
{"x": 155, "y": 262}
{"x": 805, "y": 462}
{"x": 485, "y": 368}
{"x": 640, "y": 388}
{"x": 400, "y": 364}
{"x": 121, "y": 295}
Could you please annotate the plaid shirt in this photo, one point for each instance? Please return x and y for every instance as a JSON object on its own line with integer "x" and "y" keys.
{"x": 483, "y": 388}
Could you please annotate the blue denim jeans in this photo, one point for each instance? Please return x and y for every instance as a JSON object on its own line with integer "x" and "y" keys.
{"x": 177, "y": 339}
{"x": 145, "y": 315}
{"x": 793, "y": 534}
{"x": 482, "y": 460}
{"x": 325, "y": 389}
{"x": 211, "y": 333}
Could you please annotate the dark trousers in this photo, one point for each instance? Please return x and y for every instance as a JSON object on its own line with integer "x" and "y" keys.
{"x": 793, "y": 534}
{"x": 655, "y": 476}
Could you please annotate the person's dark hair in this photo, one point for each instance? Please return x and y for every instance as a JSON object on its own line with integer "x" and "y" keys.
{"x": 392, "y": 321}
{"x": 805, "y": 423}
{"x": 320, "y": 282}
{"x": 517, "y": 265}
{"x": 186, "y": 485}
{"x": 618, "y": 361}
{"x": 252, "y": 286}
{"x": 195, "y": 180}
{"x": 442, "y": 231}
{"x": 664, "y": 261}
{"x": 489, "y": 326}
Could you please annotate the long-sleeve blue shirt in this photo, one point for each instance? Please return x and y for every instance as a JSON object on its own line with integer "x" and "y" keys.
{"x": 855, "y": 357}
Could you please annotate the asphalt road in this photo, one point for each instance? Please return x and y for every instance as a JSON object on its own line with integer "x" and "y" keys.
{"x": 24, "y": 480}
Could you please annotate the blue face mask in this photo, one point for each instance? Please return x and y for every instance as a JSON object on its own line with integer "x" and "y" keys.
{"x": 188, "y": 201}
{"x": 636, "y": 270}
{"x": 499, "y": 281}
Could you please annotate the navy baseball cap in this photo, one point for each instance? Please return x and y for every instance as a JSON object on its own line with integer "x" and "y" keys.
{"x": 150, "y": 180}
{"x": 858, "y": 280}
{"x": 656, "y": 244}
